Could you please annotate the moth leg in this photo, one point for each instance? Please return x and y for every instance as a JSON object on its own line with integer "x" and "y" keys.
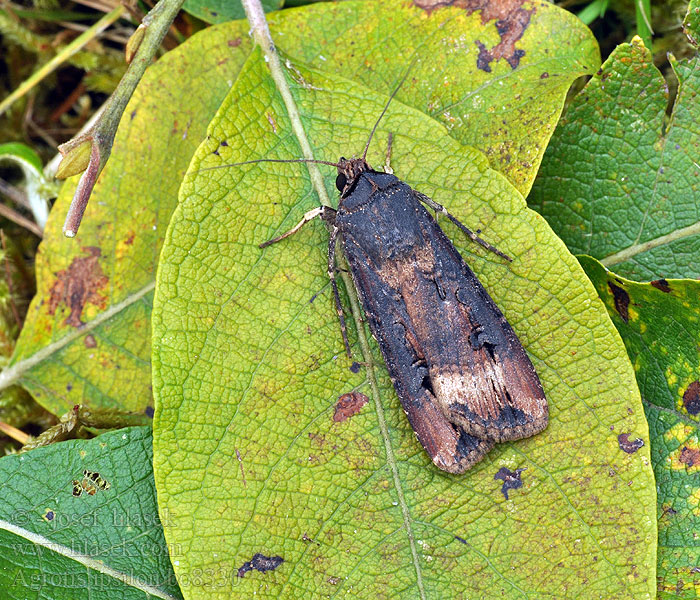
{"x": 387, "y": 162}
{"x": 470, "y": 234}
{"x": 312, "y": 214}
{"x": 334, "y": 285}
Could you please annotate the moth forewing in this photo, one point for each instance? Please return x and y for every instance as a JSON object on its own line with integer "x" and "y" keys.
{"x": 444, "y": 341}
{"x": 480, "y": 373}
{"x": 448, "y": 445}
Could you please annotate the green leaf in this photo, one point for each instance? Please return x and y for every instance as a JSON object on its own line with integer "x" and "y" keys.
{"x": 87, "y": 333}
{"x": 249, "y": 362}
{"x": 23, "y": 154}
{"x": 39, "y": 190}
{"x": 220, "y": 11}
{"x": 618, "y": 182}
{"x": 660, "y": 326}
{"x": 107, "y": 544}
{"x": 593, "y": 10}
{"x": 691, "y": 23}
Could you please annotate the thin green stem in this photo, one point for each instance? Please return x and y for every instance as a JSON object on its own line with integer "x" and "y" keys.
{"x": 636, "y": 249}
{"x": 261, "y": 34}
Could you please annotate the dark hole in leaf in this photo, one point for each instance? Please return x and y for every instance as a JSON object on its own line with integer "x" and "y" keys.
{"x": 511, "y": 479}
{"x": 261, "y": 563}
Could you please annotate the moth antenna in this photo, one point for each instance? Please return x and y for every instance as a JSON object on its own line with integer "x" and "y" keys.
{"x": 273, "y": 160}
{"x": 396, "y": 89}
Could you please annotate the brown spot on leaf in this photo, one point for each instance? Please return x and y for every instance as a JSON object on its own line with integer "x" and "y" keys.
{"x": 318, "y": 439}
{"x": 484, "y": 59}
{"x": 691, "y": 398}
{"x": 662, "y": 284}
{"x": 544, "y": 75}
{"x": 622, "y": 301}
{"x": 261, "y": 563}
{"x": 333, "y": 580}
{"x": 689, "y": 456}
{"x": 511, "y": 22}
{"x": 90, "y": 341}
{"x": 234, "y": 43}
{"x": 349, "y": 405}
{"x": 627, "y": 445}
{"x": 77, "y": 285}
{"x": 511, "y": 479}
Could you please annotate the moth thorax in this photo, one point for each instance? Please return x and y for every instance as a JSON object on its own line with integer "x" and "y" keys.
{"x": 348, "y": 172}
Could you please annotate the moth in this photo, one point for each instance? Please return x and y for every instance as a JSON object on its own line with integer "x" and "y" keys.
{"x": 462, "y": 376}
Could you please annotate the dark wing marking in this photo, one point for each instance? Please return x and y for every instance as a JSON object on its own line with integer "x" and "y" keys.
{"x": 448, "y": 445}
{"x": 480, "y": 373}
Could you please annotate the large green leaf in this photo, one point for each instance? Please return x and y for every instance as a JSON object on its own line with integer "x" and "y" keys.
{"x": 248, "y": 365}
{"x": 104, "y": 542}
{"x": 660, "y": 325}
{"x": 618, "y": 182}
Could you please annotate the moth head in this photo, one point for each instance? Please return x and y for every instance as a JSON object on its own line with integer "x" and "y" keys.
{"x": 348, "y": 172}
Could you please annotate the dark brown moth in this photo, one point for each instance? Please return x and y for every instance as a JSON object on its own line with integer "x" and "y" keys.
{"x": 462, "y": 376}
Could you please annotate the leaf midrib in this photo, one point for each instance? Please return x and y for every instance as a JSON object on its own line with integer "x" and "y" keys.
{"x": 14, "y": 373}
{"x": 636, "y": 249}
{"x": 278, "y": 76}
{"x": 83, "y": 559}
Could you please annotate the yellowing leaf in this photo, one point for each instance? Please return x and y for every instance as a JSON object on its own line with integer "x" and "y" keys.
{"x": 249, "y": 461}
{"x": 496, "y": 76}
{"x": 87, "y": 334}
